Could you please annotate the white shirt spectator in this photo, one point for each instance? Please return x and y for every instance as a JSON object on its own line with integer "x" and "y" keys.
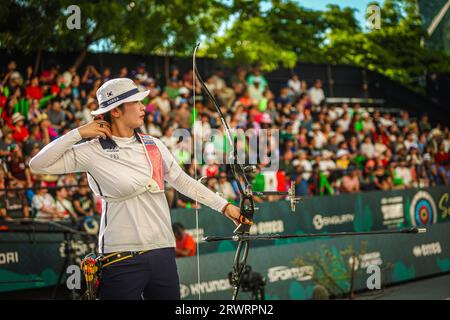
{"x": 66, "y": 207}
{"x": 333, "y": 114}
{"x": 408, "y": 143}
{"x": 170, "y": 142}
{"x": 40, "y": 202}
{"x": 163, "y": 105}
{"x": 153, "y": 130}
{"x": 226, "y": 190}
{"x": 386, "y": 122}
{"x": 368, "y": 150}
{"x": 405, "y": 174}
{"x": 307, "y": 167}
{"x": 379, "y": 149}
{"x": 319, "y": 139}
{"x": 255, "y": 94}
{"x": 295, "y": 86}
{"x": 316, "y": 95}
{"x": 67, "y": 76}
{"x": 344, "y": 123}
{"x": 219, "y": 83}
{"x": 326, "y": 165}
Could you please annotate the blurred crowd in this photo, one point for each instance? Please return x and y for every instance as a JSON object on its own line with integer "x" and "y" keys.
{"x": 324, "y": 148}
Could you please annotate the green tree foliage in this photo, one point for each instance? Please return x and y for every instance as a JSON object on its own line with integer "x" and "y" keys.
{"x": 138, "y": 26}
{"x": 287, "y": 33}
{"x": 271, "y": 33}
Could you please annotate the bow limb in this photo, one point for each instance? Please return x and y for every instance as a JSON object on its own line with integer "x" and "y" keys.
{"x": 247, "y": 205}
{"x": 195, "y": 174}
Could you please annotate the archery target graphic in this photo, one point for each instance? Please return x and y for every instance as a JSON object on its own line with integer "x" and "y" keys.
{"x": 423, "y": 209}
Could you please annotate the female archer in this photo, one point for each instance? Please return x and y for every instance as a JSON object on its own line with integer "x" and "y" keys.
{"x": 127, "y": 170}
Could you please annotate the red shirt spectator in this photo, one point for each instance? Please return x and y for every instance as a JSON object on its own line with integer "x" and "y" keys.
{"x": 384, "y": 138}
{"x": 441, "y": 157}
{"x": 34, "y": 92}
{"x": 185, "y": 244}
{"x": 20, "y": 131}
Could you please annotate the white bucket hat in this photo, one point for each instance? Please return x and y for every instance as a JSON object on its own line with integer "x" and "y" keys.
{"x": 115, "y": 92}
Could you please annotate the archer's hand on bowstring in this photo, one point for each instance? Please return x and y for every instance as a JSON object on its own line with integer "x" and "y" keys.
{"x": 95, "y": 128}
{"x": 233, "y": 213}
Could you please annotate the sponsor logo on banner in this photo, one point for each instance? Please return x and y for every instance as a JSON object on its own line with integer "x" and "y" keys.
{"x": 423, "y": 209}
{"x": 282, "y": 273}
{"x": 211, "y": 286}
{"x": 444, "y": 206}
{"x": 80, "y": 249}
{"x": 365, "y": 260}
{"x": 9, "y": 257}
{"x": 184, "y": 291}
{"x": 319, "y": 222}
{"x": 428, "y": 249}
{"x": 392, "y": 210}
{"x": 264, "y": 227}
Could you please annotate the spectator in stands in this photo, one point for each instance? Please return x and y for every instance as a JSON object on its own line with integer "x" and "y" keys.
{"x": 350, "y": 181}
{"x": 33, "y": 141}
{"x": 82, "y": 200}
{"x": 63, "y": 206}
{"x": 18, "y": 169}
{"x": 169, "y": 139}
{"x": 20, "y": 132}
{"x": 172, "y": 89}
{"x": 403, "y": 174}
{"x": 185, "y": 202}
{"x": 34, "y": 114}
{"x": 13, "y": 203}
{"x": 185, "y": 243}
{"x": 140, "y": 75}
{"x": 7, "y": 143}
{"x": 34, "y": 91}
{"x": 183, "y": 96}
{"x": 151, "y": 127}
{"x": 316, "y": 93}
{"x": 225, "y": 188}
{"x": 123, "y": 73}
{"x": 295, "y": 86}
{"x": 255, "y": 92}
{"x": 182, "y": 116}
{"x": 256, "y": 74}
{"x": 378, "y": 142}
{"x": 56, "y": 116}
{"x": 367, "y": 148}
{"x": 44, "y": 204}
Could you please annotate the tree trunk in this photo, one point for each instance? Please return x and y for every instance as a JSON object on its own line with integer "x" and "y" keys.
{"x": 38, "y": 61}
{"x": 80, "y": 58}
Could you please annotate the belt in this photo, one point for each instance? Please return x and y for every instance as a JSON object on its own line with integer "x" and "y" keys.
{"x": 111, "y": 258}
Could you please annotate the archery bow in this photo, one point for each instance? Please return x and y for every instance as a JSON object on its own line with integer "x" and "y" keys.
{"x": 247, "y": 204}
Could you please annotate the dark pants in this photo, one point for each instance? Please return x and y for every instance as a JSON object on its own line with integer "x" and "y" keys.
{"x": 152, "y": 276}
